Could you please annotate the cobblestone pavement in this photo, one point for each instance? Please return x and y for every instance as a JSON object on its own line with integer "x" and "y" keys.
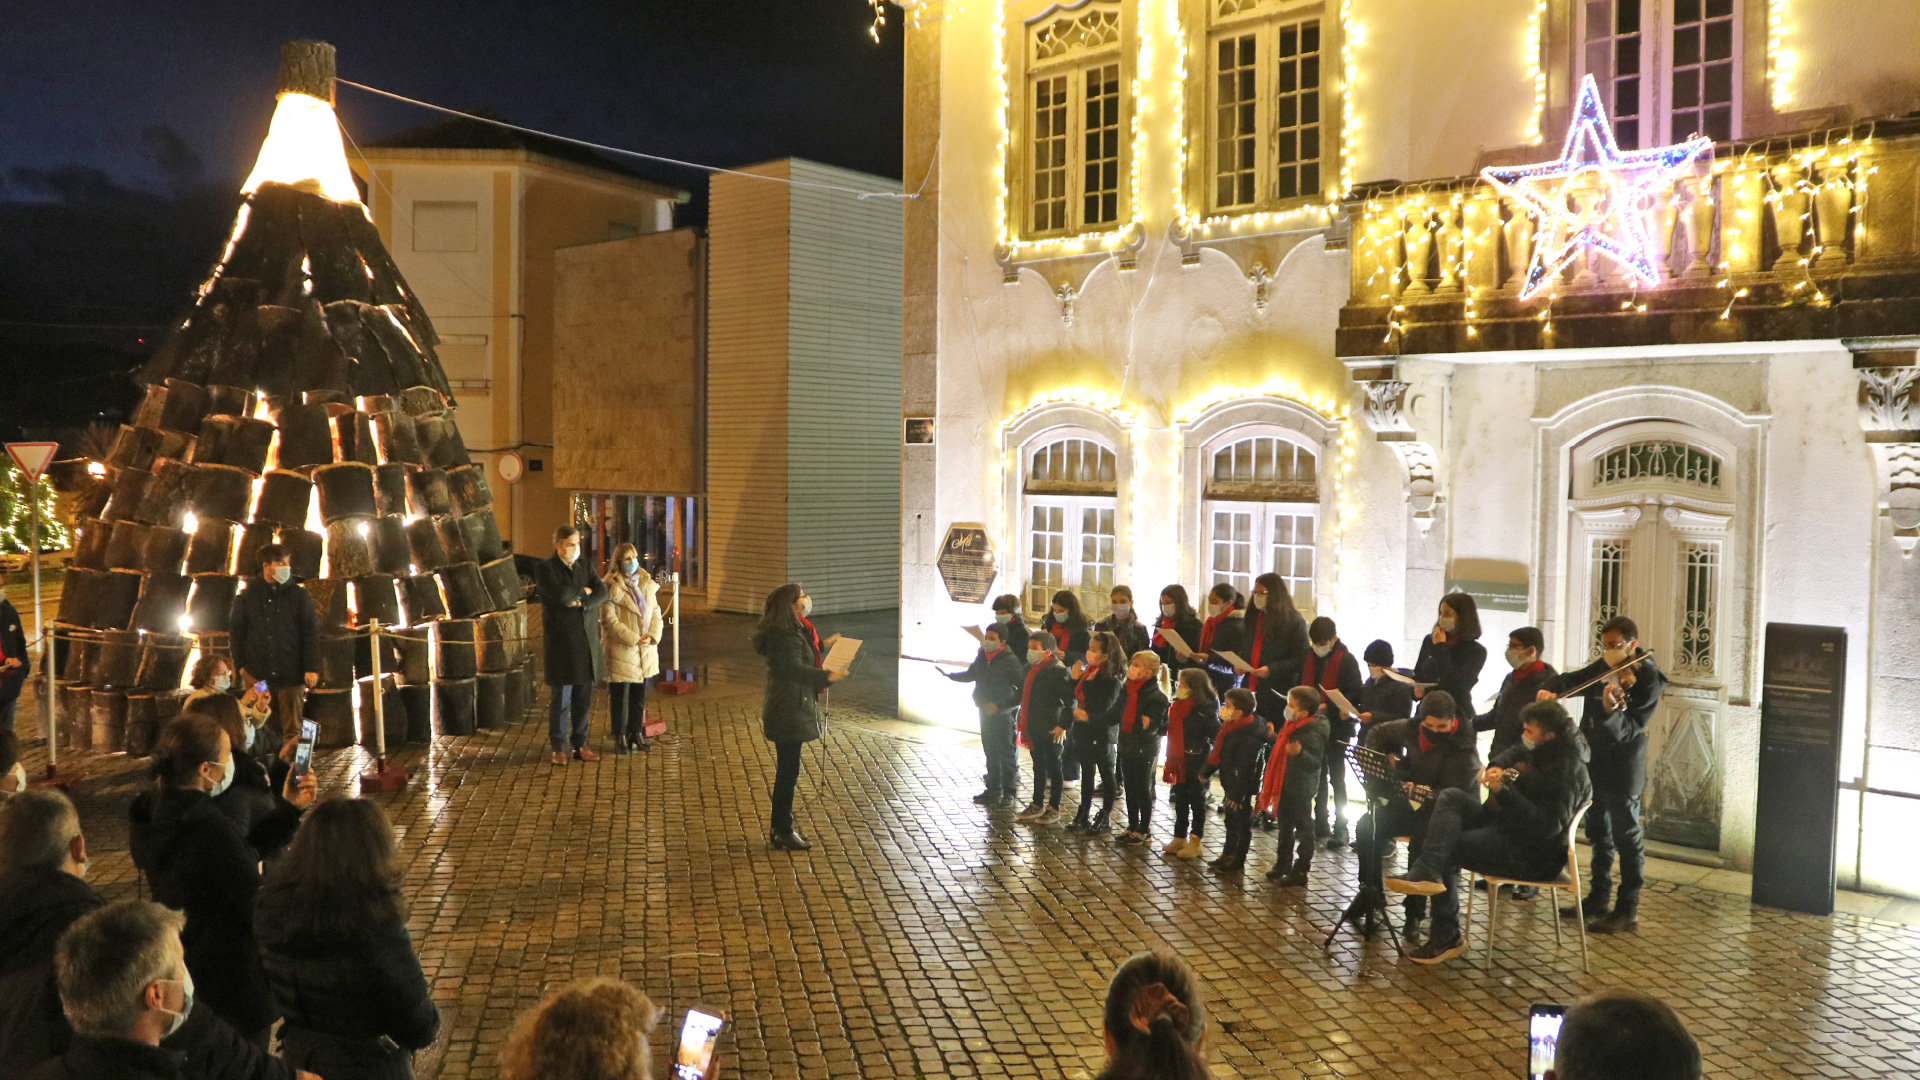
{"x": 925, "y": 937}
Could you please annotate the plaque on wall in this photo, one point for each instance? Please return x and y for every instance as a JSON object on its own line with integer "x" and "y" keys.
{"x": 966, "y": 563}
{"x": 916, "y": 431}
{"x": 1802, "y": 703}
{"x": 1492, "y": 595}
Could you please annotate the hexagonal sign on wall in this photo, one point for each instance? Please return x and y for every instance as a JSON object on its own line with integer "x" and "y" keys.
{"x": 966, "y": 563}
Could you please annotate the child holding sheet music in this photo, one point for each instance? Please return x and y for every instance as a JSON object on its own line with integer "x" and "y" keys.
{"x": 997, "y": 680}
{"x": 1388, "y": 694}
{"x": 1223, "y": 631}
{"x": 1332, "y": 670}
{"x": 1177, "y": 615}
{"x": 1097, "y": 705}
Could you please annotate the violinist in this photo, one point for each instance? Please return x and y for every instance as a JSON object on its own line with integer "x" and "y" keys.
{"x": 1618, "y": 708}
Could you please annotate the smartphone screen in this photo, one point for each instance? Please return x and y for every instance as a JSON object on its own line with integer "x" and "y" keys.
{"x": 303, "y": 750}
{"x": 699, "y": 1039}
{"x": 260, "y": 687}
{"x": 1543, "y": 1037}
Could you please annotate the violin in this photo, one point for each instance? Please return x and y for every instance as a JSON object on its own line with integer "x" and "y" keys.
{"x": 1621, "y": 675}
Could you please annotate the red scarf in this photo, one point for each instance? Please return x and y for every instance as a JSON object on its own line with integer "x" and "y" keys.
{"x": 1328, "y": 679}
{"x": 1220, "y": 738}
{"x": 1159, "y": 624}
{"x": 1175, "y": 770}
{"x": 1528, "y": 671}
{"x": 813, "y": 638}
{"x": 1213, "y": 622}
{"x": 1060, "y": 634}
{"x": 1259, "y": 639}
{"x": 1426, "y": 744}
{"x": 1087, "y": 671}
{"x": 1026, "y": 691}
{"x": 1129, "y": 719}
{"x": 1276, "y": 778}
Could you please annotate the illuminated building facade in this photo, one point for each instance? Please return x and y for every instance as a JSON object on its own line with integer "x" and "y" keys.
{"x": 1172, "y": 322}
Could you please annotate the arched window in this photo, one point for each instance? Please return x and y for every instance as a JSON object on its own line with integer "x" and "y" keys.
{"x": 1069, "y": 494}
{"x": 1262, "y": 513}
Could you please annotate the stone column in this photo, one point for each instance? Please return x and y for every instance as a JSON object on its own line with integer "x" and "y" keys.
{"x": 920, "y": 525}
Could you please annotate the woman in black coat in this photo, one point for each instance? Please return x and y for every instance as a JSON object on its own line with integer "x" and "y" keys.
{"x": 1452, "y": 656}
{"x": 1276, "y": 646}
{"x": 257, "y": 811}
{"x": 790, "y": 714}
{"x": 333, "y": 937}
{"x": 197, "y": 862}
{"x": 1177, "y": 615}
{"x": 1223, "y": 631}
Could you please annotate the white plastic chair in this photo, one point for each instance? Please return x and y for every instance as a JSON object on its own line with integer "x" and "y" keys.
{"x": 1568, "y": 880}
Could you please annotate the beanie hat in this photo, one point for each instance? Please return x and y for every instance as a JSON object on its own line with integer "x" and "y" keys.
{"x": 1379, "y": 654}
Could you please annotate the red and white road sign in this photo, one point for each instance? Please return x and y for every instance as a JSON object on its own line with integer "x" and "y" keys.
{"x": 32, "y": 457}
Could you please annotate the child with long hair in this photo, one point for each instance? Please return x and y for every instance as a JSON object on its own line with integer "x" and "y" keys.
{"x": 1177, "y": 615}
{"x": 1224, "y": 630}
{"x": 1143, "y": 719}
{"x": 1193, "y": 718}
{"x": 1155, "y": 1022}
{"x": 1097, "y": 704}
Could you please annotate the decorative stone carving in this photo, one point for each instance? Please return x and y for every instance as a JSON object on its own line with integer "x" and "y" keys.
{"x": 1887, "y": 398}
{"x": 1889, "y": 403}
{"x": 1066, "y": 294}
{"x": 1789, "y": 203}
{"x": 1262, "y": 282}
{"x": 1832, "y": 206}
{"x": 1385, "y": 415}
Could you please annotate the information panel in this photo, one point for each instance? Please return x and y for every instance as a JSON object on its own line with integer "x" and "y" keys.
{"x": 1802, "y": 701}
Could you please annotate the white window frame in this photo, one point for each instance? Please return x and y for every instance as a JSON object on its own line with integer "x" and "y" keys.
{"x": 1262, "y": 539}
{"x": 1266, "y": 22}
{"x": 1075, "y": 65}
{"x": 1025, "y": 439}
{"x": 1074, "y": 563}
{"x": 1656, "y": 55}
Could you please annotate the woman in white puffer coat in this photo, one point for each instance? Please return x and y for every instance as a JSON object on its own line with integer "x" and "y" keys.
{"x": 630, "y": 629}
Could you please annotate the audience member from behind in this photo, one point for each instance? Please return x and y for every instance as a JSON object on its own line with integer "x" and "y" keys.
{"x": 1156, "y": 1026}
{"x": 1624, "y": 1035}
{"x": 593, "y": 1029}
{"x": 43, "y": 858}
{"x": 333, "y": 936}
{"x": 124, "y": 986}
{"x": 196, "y": 861}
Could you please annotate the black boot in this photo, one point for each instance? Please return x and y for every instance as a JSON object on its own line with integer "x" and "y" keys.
{"x": 1100, "y": 820}
{"x": 1593, "y": 906}
{"x": 1297, "y": 877}
{"x": 1623, "y": 919}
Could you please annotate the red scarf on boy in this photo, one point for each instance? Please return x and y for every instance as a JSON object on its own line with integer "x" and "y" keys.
{"x": 1329, "y": 678}
{"x": 1226, "y": 729}
{"x": 1175, "y": 770}
{"x": 1129, "y": 718}
{"x": 1026, "y": 691}
{"x": 1276, "y": 778}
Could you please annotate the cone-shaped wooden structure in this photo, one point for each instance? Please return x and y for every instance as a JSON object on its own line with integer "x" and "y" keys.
{"x": 300, "y": 402}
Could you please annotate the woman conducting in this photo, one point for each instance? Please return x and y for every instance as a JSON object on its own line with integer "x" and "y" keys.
{"x": 630, "y": 628}
{"x": 790, "y": 716}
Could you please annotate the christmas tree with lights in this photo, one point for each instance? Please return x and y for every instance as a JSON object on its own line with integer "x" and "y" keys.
{"x": 300, "y": 402}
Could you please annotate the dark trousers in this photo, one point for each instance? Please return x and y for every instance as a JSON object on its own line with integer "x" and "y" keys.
{"x": 567, "y": 713}
{"x": 1613, "y": 824}
{"x": 1189, "y": 798}
{"x": 348, "y": 1059}
{"x": 1461, "y": 834}
{"x": 1047, "y": 778}
{"x": 1333, "y": 774}
{"x": 1239, "y": 822}
{"x": 1136, "y": 777}
{"x": 1093, "y": 759}
{"x": 1293, "y": 821}
{"x": 1003, "y": 752}
{"x": 289, "y": 706}
{"x": 1397, "y": 818}
{"x": 786, "y": 773}
{"x": 627, "y": 704}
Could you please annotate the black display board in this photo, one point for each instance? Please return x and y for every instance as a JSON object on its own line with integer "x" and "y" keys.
{"x": 1802, "y": 701}
{"x": 966, "y": 563}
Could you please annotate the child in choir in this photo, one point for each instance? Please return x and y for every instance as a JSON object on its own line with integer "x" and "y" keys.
{"x": 1236, "y": 761}
{"x": 1384, "y": 697}
{"x": 1070, "y": 629}
{"x": 1013, "y": 631}
{"x": 1192, "y": 721}
{"x": 996, "y": 679}
{"x": 1224, "y": 629}
{"x": 1143, "y": 719}
{"x": 1329, "y": 666}
{"x": 1293, "y": 770}
{"x": 1097, "y": 702}
{"x": 1123, "y": 621}
{"x": 1177, "y": 615}
{"x": 1046, "y": 696}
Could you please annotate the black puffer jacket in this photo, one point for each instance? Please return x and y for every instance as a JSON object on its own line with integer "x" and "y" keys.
{"x": 1535, "y": 810}
{"x": 349, "y": 987}
{"x": 275, "y": 632}
{"x": 1099, "y": 697}
{"x": 1517, "y": 691}
{"x": 1239, "y": 750}
{"x": 1149, "y": 720}
{"x": 1133, "y": 634}
{"x": 1197, "y": 731}
{"x": 1453, "y": 761}
{"x": 197, "y": 862}
{"x": 1048, "y": 704}
{"x": 790, "y": 712}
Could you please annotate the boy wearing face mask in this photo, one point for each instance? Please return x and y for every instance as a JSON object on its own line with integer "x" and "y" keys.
{"x": 1236, "y": 761}
{"x": 1143, "y": 720}
{"x": 276, "y": 639}
{"x": 1384, "y": 697}
{"x": 1436, "y": 752}
{"x": 1293, "y": 770}
{"x": 1013, "y": 631}
{"x": 1329, "y": 666}
{"x": 997, "y": 682}
{"x": 1046, "y": 693}
{"x": 1521, "y": 687}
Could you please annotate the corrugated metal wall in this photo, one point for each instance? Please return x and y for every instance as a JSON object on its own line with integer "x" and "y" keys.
{"x": 843, "y": 396}
{"x": 747, "y": 282}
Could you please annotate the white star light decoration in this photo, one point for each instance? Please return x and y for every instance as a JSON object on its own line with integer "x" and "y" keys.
{"x": 1594, "y": 197}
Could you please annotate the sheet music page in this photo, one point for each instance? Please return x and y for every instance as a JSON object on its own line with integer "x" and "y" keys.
{"x": 1233, "y": 660}
{"x": 841, "y": 655}
{"x": 977, "y": 633}
{"x": 1171, "y": 637}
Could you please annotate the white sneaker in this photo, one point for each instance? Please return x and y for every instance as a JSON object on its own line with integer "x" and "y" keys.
{"x": 1050, "y": 817}
{"x": 1032, "y": 811}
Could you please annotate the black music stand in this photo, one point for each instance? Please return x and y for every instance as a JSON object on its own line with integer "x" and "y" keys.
{"x": 1368, "y": 908}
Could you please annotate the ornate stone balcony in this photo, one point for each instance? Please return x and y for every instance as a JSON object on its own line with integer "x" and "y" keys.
{"x": 1809, "y": 236}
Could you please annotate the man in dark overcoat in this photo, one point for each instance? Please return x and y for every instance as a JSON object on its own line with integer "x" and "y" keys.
{"x": 569, "y": 591}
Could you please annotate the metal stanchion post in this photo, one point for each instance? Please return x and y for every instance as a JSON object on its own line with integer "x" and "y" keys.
{"x": 46, "y": 639}
{"x": 382, "y": 777}
{"x": 679, "y": 684}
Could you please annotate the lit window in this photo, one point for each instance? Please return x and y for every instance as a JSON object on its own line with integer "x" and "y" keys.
{"x": 1075, "y": 115}
{"x": 1262, "y": 516}
{"x": 1267, "y": 140}
{"x": 1070, "y": 494}
{"x": 1668, "y": 67}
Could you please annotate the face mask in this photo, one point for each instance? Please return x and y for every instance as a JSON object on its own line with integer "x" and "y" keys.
{"x": 1036, "y": 658}
{"x": 1215, "y": 607}
{"x": 1516, "y": 657}
{"x": 806, "y": 606}
{"x": 281, "y": 574}
{"x": 1167, "y": 610}
{"x": 186, "y": 1004}
{"x": 1445, "y": 622}
{"x": 226, "y": 778}
{"x": 1002, "y": 618}
{"x": 1446, "y": 729}
{"x": 223, "y": 682}
{"x": 1181, "y": 692}
{"x": 1122, "y": 610}
{"x": 1260, "y": 601}
{"x": 1059, "y": 613}
{"x": 990, "y": 646}
{"x": 1613, "y": 657}
{"x": 630, "y": 567}
{"x": 1529, "y": 742}
{"x": 1323, "y": 651}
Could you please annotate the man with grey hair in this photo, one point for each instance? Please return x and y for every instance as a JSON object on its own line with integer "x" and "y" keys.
{"x": 124, "y": 986}
{"x": 43, "y": 857}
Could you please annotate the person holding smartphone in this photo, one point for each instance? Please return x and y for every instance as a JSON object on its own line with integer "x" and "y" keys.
{"x": 276, "y": 638}
{"x": 790, "y": 712}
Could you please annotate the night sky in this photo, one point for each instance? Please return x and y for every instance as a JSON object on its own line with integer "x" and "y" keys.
{"x": 127, "y": 125}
